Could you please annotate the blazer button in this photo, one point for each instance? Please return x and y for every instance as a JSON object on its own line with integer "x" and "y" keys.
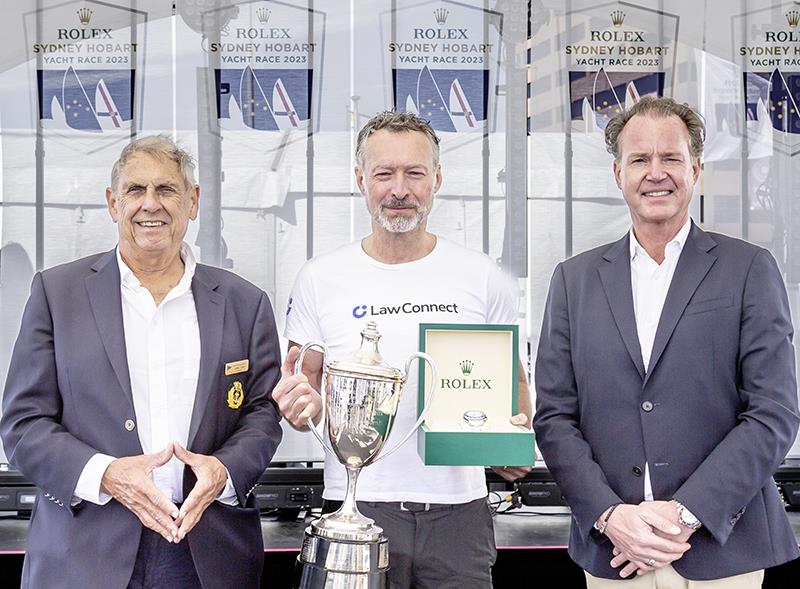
{"x": 647, "y": 406}
{"x": 637, "y": 471}
{"x": 129, "y": 425}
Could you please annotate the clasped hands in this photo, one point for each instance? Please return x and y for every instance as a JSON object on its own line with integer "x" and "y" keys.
{"x": 646, "y": 537}
{"x": 129, "y": 480}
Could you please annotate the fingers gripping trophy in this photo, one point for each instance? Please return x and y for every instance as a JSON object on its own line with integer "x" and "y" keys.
{"x": 346, "y": 549}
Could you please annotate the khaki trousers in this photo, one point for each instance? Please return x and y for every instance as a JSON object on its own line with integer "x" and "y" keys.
{"x": 668, "y": 578}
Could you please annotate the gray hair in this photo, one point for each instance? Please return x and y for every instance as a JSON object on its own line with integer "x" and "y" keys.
{"x": 396, "y": 122}
{"x": 661, "y": 108}
{"x": 160, "y": 147}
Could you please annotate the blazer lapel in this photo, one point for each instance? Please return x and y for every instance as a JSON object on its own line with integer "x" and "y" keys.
{"x": 210, "y": 307}
{"x": 105, "y": 299}
{"x": 615, "y": 276}
{"x": 693, "y": 265}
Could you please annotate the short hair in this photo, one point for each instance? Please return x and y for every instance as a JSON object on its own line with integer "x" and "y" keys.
{"x": 396, "y": 122}
{"x": 660, "y": 107}
{"x": 159, "y": 147}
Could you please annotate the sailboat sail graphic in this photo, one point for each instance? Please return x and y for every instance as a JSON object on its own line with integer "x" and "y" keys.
{"x": 431, "y": 104}
{"x": 78, "y": 109}
{"x": 105, "y": 106}
{"x": 459, "y": 106}
{"x": 631, "y": 95}
{"x": 784, "y": 95}
{"x": 281, "y": 96}
{"x": 256, "y": 110}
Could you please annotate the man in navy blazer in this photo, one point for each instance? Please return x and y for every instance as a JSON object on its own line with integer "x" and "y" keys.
{"x": 665, "y": 381}
{"x": 138, "y": 401}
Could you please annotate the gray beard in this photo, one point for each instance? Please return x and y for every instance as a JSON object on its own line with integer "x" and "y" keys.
{"x": 399, "y": 223}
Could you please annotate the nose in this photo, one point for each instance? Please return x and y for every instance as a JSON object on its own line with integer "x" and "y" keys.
{"x": 656, "y": 171}
{"x": 151, "y": 201}
{"x": 400, "y": 187}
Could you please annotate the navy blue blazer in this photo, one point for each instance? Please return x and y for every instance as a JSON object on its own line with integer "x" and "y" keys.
{"x": 68, "y": 396}
{"x": 713, "y": 417}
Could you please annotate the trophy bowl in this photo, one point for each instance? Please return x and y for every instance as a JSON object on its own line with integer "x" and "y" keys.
{"x": 359, "y": 403}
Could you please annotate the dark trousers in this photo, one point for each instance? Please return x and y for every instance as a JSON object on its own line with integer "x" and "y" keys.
{"x": 436, "y": 546}
{"x": 163, "y": 565}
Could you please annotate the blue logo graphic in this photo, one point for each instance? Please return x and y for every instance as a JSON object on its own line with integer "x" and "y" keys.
{"x": 609, "y": 93}
{"x": 452, "y": 100}
{"x": 779, "y": 92}
{"x": 267, "y": 99}
{"x": 289, "y": 306}
{"x": 86, "y": 100}
{"x": 359, "y": 311}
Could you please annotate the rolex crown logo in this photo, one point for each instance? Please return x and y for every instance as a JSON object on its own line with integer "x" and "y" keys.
{"x": 263, "y": 14}
{"x": 84, "y": 15}
{"x": 793, "y": 18}
{"x": 466, "y": 366}
{"x": 617, "y": 18}
{"x": 441, "y": 14}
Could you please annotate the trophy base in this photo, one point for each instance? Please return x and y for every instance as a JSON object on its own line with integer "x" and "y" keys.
{"x": 333, "y": 564}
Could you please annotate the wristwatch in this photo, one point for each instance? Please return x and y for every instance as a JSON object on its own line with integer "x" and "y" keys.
{"x": 686, "y": 517}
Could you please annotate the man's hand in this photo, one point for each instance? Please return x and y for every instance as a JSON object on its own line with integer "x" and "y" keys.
{"x": 296, "y": 398}
{"x": 129, "y": 480}
{"x": 669, "y": 510}
{"x": 632, "y": 530}
{"x": 211, "y": 478}
{"x": 512, "y": 473}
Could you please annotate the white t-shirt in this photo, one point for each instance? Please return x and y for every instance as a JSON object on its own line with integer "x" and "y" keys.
{"x": 337, "y": 293}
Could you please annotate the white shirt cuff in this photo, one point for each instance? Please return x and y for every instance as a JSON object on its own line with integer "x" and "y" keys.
{"x": 228, "y": 494}
{"x": 88, "y": 487}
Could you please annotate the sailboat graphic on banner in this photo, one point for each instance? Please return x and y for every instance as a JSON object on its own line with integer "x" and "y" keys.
{"x": 256, "y": 110}
{"x": 79, "y": 110}
{"x": 281, "y": 96}
{"x": 104, "y": 106}
{"x": 459, "y": 106}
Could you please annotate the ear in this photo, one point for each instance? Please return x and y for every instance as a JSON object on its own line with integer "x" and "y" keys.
{"x": 617, "y": 174}
{"x": 195, "y": 196}
{"x": 359, "y": 178}
{"x": 111, "y": 201}
{"x": 438, "y": 182}
{"x": 696, "y": 169}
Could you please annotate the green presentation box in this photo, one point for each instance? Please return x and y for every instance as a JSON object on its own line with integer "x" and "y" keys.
{"x": 478, "y": 371}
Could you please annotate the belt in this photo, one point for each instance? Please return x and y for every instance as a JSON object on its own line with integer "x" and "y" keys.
{"x": 414, "y": 507}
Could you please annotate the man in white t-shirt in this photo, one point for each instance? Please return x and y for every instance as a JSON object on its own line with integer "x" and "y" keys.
{"x": 436, "y": 517}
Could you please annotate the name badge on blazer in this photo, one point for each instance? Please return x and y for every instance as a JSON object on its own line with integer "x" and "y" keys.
{"x": 237, "y": 367}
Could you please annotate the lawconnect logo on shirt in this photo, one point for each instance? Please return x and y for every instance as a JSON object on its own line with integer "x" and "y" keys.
{"x": 360, "y": 311}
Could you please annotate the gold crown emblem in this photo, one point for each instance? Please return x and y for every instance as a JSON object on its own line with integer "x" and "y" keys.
{"x": 793, "y": 18}
{"x": 84, "y": 15}
{"x": 617, "y": 18}
{"x": 466, "y": 366}
{"x": 441, "y": 14}
{"x": 263, "y": 14}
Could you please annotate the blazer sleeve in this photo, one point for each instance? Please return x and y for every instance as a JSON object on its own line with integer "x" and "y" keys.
{"x": 34, "y": 439}
{"x": 250, "y": 448}
{"x": 556, "y": 421}
{"x": 743, "y": 462}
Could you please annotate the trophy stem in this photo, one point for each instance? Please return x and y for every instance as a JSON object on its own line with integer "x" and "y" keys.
{"x": 349, "y": 504}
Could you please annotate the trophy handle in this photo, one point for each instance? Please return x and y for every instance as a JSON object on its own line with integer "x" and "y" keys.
{"x": 298, "y": 368}
{"x": 424, "y": 414}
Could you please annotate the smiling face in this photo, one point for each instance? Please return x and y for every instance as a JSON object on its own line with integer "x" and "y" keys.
{"x": 398, "y": 178}
{"x": 152, "y": 207}
{"x": 656, "y": 172}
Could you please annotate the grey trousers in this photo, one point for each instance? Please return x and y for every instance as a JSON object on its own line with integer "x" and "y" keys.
{"x": 442, "y": 547}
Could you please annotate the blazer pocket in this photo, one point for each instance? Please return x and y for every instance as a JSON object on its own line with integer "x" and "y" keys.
{"x": 709, "y": 305}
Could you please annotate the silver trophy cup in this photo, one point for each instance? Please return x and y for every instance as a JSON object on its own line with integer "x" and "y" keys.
{"x": 346, "y": 549}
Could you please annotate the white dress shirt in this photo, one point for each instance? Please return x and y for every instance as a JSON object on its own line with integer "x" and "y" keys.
{"x": 650, "y": 282}
{"x": 163, "y": 352}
